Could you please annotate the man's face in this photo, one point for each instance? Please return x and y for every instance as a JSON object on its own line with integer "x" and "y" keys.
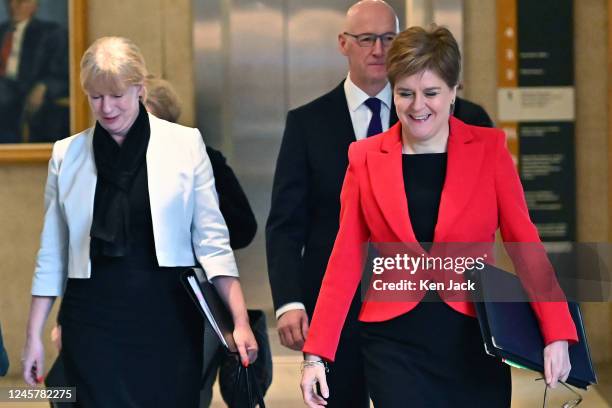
{"x": 367, "y": 64}
{"x": 21, "y": 10}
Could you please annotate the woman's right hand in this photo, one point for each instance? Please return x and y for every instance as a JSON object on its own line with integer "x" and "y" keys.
{"x": 246, "y": 344}
{"x": 311, "y": 376}
{"x": 33, "y": 360}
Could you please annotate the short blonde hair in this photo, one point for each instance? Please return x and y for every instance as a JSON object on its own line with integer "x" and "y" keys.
{"x": 111, "y": 65}
{"x": 162, "y": 100}
{"x": 418, "y": 49}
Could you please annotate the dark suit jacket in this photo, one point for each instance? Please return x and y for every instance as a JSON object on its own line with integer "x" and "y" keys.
{"x": 305, "y": 207}
{"x": 471, "y": 113}
{"x": 482, "y": 193}
{"x": 233, "y": 203}
{"x": 43, "y": 59}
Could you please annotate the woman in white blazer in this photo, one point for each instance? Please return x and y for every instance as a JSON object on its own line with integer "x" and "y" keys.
{"x": 129, "y": 203}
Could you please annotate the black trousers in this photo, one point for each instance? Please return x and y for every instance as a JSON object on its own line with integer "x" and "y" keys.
{"x": 346, "y": 378}
{"x": 432, "y": 357}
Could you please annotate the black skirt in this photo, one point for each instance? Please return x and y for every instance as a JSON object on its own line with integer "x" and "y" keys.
{"x": 432, "y": 357}
{"x": 131, "y": 338}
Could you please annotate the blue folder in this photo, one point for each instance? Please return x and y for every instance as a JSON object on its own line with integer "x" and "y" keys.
{"x": 510, "y": 330}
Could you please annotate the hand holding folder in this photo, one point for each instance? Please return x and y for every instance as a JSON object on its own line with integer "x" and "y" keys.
{"x": 511, "y": 332}
{"x": 212, "y": 307}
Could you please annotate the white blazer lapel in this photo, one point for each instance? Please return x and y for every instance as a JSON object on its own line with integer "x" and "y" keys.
{"x": 77, "y": 187}
{"x": 170, "y": 181}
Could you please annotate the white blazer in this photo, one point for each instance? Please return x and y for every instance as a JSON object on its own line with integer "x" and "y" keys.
{"x": 184, "y": 207}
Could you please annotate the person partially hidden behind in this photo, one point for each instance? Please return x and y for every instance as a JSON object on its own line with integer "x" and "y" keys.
{"x": 471, "y": 113}
{"x": 129, "y": 204}
{"x": 163, "y": 102}
{"x": 430, "y": 178}
{"x": 34, "y": 85}
{"x": 305, "y": 205}
{"x": 4, "y": 360}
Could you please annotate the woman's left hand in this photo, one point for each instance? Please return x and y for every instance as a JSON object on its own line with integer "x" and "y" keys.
{"x": 246, "y": 344}
{"x": 556, "y": 362}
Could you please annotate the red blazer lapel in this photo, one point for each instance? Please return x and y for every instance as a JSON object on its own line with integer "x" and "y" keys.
{"x": 387, "y": 182}
{"x": 465, "y": 157}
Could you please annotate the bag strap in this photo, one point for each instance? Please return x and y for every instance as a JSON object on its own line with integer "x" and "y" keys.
{"x": 251, "y": 385}
{"x": 236, "y": 386}
{"x": 252, "y": 380}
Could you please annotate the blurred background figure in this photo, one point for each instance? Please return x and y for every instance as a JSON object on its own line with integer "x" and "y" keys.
{"x": 4, "y": 361}
{"x": 34, "y": 84}
{"x": 163, "y": 101}
{"x": 471, "y": 113}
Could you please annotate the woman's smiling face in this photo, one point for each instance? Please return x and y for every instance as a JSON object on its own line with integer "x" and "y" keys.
{"x": 423, "y": 103}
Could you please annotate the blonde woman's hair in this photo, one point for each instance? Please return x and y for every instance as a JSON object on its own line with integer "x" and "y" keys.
{"x": 162, "y": 100}
{"x": 111, "y": 65}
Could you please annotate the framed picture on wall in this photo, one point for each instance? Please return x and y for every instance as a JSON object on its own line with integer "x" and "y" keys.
{"x": 41, "y": 43}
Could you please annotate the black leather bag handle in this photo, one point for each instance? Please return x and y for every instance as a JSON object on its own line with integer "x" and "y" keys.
{"x": 244, "y": 377}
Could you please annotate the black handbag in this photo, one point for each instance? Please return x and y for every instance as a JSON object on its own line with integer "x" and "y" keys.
{"x": 245, "y": 390}
{"x": 239, "y": 386}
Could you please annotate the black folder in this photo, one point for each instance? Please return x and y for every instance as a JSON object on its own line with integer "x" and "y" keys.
{"x": 510, "y": 330}
{"x": 211, "y": 305}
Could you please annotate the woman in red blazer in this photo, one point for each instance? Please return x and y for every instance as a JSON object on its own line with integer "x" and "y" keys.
{"x": 430, "y": 178}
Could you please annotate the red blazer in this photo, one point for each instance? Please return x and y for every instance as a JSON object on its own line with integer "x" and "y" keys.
{"x": 482, "y": 192}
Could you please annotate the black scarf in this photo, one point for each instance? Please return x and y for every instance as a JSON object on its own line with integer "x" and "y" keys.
{"x": 117, "y": 167}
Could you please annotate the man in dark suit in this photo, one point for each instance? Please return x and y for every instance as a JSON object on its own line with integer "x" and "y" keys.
{"x": 312, "y": 161}
{"x": 34, "y": 85}
{"x": 471, "y": 113}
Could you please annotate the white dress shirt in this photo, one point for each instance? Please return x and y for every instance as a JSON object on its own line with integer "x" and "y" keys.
{"x": 360, "y": 113}
{"x": 360, "y": 117}
{"x": 12, "y": 63}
